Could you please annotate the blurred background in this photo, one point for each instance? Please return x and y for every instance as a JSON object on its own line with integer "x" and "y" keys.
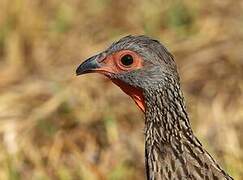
{"x": 54, "y": 125}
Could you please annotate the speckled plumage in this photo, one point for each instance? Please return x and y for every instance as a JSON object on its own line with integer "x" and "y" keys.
{"x": 171, "y": 149}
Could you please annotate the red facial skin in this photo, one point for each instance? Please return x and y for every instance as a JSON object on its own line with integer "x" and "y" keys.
{"x": 135, "y": 93}
{"x": 113, "y": 64}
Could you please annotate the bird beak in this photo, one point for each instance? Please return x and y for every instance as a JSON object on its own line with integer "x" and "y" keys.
{"x": 88, "y": 66}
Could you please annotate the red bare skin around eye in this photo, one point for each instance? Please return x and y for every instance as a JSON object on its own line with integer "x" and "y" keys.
{"x": 112, "y": 64}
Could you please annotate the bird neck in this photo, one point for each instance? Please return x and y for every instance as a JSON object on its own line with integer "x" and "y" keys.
{"x": 166, "y": 112}
{"x": 170, "y": 145}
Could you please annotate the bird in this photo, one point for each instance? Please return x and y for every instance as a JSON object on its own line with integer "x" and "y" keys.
{"x": 146, "y": 71}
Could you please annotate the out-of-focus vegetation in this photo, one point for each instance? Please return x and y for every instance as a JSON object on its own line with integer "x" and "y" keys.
{"x": 54, "y": 125}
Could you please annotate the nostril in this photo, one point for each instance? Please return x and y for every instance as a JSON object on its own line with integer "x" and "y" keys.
{"x": 102, "y": 57}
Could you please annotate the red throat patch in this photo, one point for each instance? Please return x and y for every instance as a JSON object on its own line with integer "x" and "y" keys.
{"x": 135, "y": 93}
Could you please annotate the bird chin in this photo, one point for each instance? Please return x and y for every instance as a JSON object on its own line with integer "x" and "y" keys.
{"x": 135, "y": 93}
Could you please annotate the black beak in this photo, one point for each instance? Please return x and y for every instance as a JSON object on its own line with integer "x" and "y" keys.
{"x": 88, "y": 66}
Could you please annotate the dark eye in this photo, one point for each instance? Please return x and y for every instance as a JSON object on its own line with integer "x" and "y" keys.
{"x": 127, "y": 60}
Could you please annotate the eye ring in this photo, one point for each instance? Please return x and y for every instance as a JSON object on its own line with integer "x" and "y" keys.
{"x": 127, "y": 60}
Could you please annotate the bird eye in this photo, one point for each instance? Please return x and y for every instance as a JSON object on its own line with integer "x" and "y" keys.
{"x": 127, "y": 60}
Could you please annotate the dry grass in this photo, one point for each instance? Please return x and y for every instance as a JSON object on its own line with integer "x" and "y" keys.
{"x": 54, "y": 125}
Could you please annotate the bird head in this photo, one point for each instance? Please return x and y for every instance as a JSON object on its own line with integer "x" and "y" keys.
{"x": 137, "y": 64}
